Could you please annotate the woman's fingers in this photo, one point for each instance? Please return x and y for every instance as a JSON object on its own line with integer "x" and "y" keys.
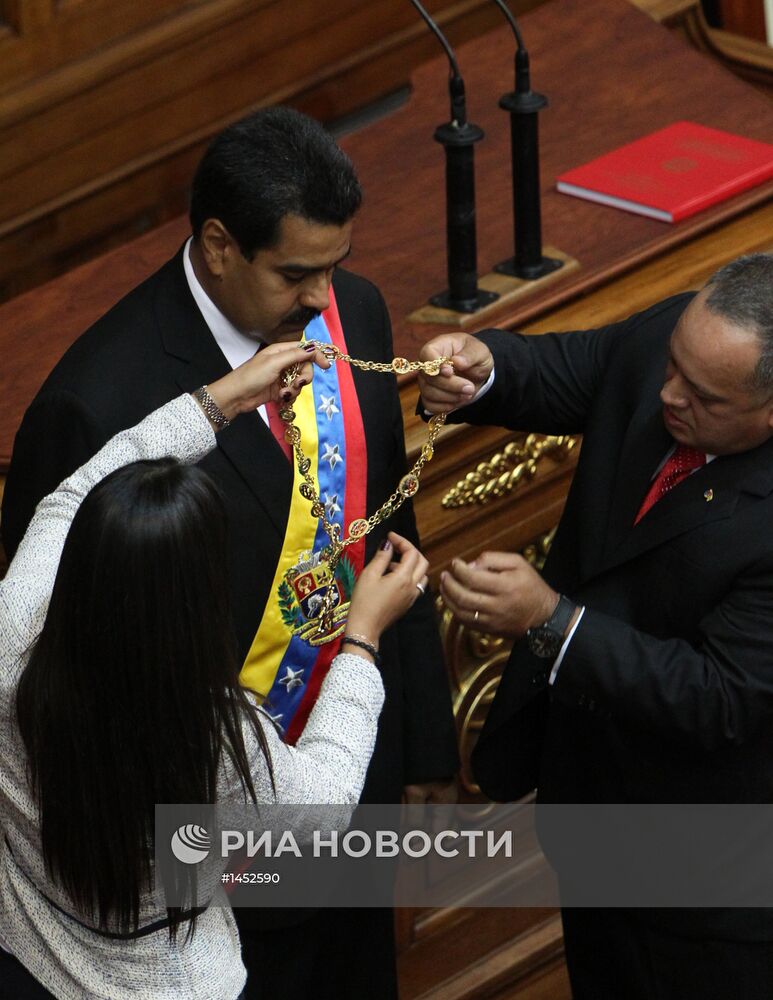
{"x": 388, "y": 586}
{"x": 381, "y": 560}
{"x": 261, "y": 378}
{"x": 283, "y": 355}
{"x": 409, "y": 556}
{"x": 411, "y": 571}
{"x": 277, "y": 363}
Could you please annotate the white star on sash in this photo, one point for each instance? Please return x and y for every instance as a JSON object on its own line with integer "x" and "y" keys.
{"x": 332, "y": 455}
{"x": 327, "y": 406}
{"x": 331, "y": 505}
{"x": 292, "y": 679}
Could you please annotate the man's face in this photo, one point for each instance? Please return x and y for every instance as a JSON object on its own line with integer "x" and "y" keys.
{"x": 708, "y": 400}
{"x": 275, "y": 295}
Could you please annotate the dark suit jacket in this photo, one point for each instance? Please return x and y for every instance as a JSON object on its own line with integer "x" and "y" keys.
{"x": 666, "y": 690}
{"x": 153, "y": 345}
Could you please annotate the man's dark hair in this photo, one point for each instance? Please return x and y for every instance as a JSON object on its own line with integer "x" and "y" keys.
{"x": 273, "y": 163}
{"x": 742, "y": 292}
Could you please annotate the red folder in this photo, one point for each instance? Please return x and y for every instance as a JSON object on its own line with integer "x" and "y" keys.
{"x": 672, "y": 173}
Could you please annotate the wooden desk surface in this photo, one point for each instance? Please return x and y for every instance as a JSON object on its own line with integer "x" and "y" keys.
{"x": 610, "y": 74}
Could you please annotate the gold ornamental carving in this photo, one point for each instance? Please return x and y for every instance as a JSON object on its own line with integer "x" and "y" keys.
{"x": 503, "y": 473}
{"x": 475, "y": 662}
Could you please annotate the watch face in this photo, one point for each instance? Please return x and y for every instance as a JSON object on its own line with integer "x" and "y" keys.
{"x": 543, "y": 641}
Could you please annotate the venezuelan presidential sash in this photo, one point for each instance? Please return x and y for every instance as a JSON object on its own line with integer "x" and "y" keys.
{"x": 286, "y": 663}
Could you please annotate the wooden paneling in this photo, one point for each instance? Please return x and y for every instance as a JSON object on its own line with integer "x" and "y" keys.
{"x": 106, "y": 105}
{"x": 751, "y": 58}
{"x": 24, "y": 16}
{"x": 523, "y": 953}
{"x": 63, "y": 46}
{"x": 743, "y": 17}
{"x": 668, "y": 12}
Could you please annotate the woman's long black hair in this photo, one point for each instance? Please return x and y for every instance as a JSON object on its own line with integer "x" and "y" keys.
{"x": 131, "y": 696}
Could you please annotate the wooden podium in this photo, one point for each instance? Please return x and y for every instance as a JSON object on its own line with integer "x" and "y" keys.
{"x": 610, "y": 75}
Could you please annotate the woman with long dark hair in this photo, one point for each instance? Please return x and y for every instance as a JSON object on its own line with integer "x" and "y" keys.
{"x": 119, "y": 690}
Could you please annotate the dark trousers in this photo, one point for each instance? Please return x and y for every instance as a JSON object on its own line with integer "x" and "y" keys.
{"x": 331, "y": 954}
{"x": 614, "y": 955}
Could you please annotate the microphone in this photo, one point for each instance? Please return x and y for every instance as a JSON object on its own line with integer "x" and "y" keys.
{"x": 524, "y": 105}
{"x": 458, "y": 138}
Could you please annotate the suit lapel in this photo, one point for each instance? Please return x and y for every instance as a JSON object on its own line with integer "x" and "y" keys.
{"x": 247, "y": 444}
{"x": 711, "y": 494}
{"x": 645, "y": 444}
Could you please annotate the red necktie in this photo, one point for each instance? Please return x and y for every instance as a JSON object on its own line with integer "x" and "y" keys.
{"x": 278, "y": 428}
{"x": 681, "y": 463}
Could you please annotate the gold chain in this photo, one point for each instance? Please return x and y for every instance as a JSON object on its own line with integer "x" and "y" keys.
{"x": 398, "y": 366}
{"x": 407, "y": 487}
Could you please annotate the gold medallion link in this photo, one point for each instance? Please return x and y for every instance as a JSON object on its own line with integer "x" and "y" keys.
{"x": 407, "y": 487}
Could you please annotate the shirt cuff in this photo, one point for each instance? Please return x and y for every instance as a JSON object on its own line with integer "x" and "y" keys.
{"x": 562, "y": 651}
{"x": 482, "y": 391}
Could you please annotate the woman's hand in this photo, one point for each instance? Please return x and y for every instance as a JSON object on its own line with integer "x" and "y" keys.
{"x": 260, "y": 379}
{"x": 386, "y": 589}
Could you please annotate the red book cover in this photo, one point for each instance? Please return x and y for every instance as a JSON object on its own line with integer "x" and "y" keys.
{"x": 672, "y": 173}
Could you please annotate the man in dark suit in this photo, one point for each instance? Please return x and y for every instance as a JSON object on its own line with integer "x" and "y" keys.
{"x": 272, "y": 210}
{"x": 643, "y": 670}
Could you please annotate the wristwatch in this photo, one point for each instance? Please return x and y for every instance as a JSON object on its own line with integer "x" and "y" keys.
{"x": 547, "y": 639}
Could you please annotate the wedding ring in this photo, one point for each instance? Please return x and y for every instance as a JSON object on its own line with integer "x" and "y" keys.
{"x": 420, "y": 587}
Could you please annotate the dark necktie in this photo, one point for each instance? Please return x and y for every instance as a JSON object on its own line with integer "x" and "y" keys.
{"x": 677, "y": 467}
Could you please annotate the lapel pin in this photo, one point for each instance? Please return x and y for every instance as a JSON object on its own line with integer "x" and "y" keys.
{"x": 708, "y": 496}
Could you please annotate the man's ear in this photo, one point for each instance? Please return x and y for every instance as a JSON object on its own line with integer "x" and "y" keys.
{"x": 217, "y": 246}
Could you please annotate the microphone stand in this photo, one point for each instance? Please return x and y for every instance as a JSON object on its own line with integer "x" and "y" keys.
{"x": 458, "y": 138}
{"x": 524, "y": 105}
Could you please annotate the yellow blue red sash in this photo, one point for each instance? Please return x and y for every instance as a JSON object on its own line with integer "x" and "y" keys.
{"x": 283, "y": 665}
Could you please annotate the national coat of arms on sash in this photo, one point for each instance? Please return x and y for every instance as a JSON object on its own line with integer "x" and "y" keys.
{"x": 305, "y": 591}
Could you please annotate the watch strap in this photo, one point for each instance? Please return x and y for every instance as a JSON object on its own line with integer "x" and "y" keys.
{"x": 210, "y": 407}
{"x": 562, "y": 615}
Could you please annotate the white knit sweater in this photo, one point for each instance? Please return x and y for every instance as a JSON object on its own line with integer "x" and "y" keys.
{"x": 327, "y": 765}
